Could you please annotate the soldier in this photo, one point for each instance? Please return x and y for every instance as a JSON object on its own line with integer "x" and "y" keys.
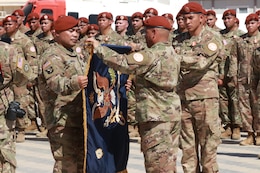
{"x": 33, "y": 20}
{"x": 198, "y": 90}
{"x": 19, "y": 14}
{"x": 138, "y": 28}
{"x": 149, "y": 12}
{"x": 211, "y": 20}
{"x": 93, "y": 30}
{"x": 229, "y": 112}
{"x": 83, "y": 26}
{"x": 121, "y": 25}
{"x": 14, "y": 71}
{"x": 62, "y": 80}
{"x": 158, "y": 105}
{"x": 246, "y": 50}
{"x": 181, "y": 28}
{"x": 42, "y": 42}
{"x": 27, "y": 50}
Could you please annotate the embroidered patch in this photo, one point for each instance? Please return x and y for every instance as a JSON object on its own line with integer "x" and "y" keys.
{"x": 78, "y": 49}
{"x": 20, "y": 63}
{"x": 212, "y": 46}
{"x": 138, "y": 57}
{"x": 32, "y": 49}
{"x": 49, "y": 70}
{"x": 26, "y": 67}
{"x": 99, "y": 153}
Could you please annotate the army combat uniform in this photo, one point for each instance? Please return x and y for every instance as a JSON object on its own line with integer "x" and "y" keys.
{"x": 15, "y": 70}
{"x": 199, "y": 96}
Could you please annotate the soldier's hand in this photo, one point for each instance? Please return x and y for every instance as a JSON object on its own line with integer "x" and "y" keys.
{"x": 83, "y": 81}
{"x": 94, "y": 42}
{"x": 220, "y": 82}
{"x": 128, "y": 84}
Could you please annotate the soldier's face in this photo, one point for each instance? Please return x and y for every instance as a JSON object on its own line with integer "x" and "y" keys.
{"x": 137, "y": 23}
{"x": 10, "y": 27}
{"x": 104, "y": 23}
{"x": 229, "y": 21}
{"x": 92, "y": 33}
{"x": 180, "y": 22}
{"x": 193, "y": 21}
{"x": 252, "y": 27}
{"x": 34, "y": 24}
{"x": 121, "y": 25}
{"x": 211, "y": 20}
{"x": 20, "y": 19}
{"x": 83, "y": 27}
{"x": 46, "y": 25}
{"x": 68, "y": 38}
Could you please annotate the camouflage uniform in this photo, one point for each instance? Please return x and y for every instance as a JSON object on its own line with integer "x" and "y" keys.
{"x": 15, "y": 71}
{"x": 229, "y": 111}
{"x": 23, "y": 29}
{"x": 157, "y": 104}
{"x": 26, "y": 49}
{"x": 199, "y": 95}
{"x": 62, "y": 99}
{"x": 246, "y": 51}
{"x": 31, "y": 33}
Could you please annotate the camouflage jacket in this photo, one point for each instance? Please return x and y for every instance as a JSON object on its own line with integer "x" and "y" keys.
{"x": 58, "y": 85}
{"x": 41, "y": 42}
{"x": 15, "y": 70}
{"x": 245, "y": 50}
{"x": 229, "y": 64}
{"x": 157, "y": 71}
{"x": 199, "y": 64}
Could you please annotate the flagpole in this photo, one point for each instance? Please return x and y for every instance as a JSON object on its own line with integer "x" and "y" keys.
{"x": 89, "y": 47}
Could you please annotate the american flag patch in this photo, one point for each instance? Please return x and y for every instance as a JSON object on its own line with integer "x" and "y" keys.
{"x": 46, "y": 65}
{"x": 20, "y": 63}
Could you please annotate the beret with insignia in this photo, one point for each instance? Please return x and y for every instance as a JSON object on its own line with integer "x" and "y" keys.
{"x": 229, "y": 12}
{"x": 83, "y": 19}
{"x": 157, "y": 22}
{"x": 47, "y": 17}
{"x": 10, "y": 19}
{"x": 106, "y": 15}
{"x": 211, "y": 12}
{"x": 168, "y": 16}
{"x": 151, "y": 11}
{"x": 64, "y": 23}
{"x": 18, "y": 12}
{"x": 121, "y": 17}
{"x": 137, "y": 15}
{"x": 250, "y": 17}
{"x": 192, "y": 7}
{"x": 93, "y": 27}
{"x": 33, "y": 16}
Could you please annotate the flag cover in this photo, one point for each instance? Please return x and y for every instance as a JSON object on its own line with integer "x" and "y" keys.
{"x": 106, "y": 109}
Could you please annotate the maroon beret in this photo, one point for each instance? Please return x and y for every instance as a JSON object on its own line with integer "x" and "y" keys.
{"x": 151, "y": 11}
{"x": 192, "y": 7}
{"x": 107, "y": 15}
{"x": 64, "y": 23}
{"x": 83, "y": 19}
{"x": 121, "y": 17}
{"x": 10, "y": 19}
{"x": 18, "y": 12}
{"x": 168, "y": 16}
{"x": 93, "y": 27}
{"x": 228, "y": 12}
{"x": 32, "y": 16}
{"x": 137, "y": 15}
{"x": 252, "y": 16}
{"x": 211, "y": 12}
{"x": 46, "y": 17}
{"x": 157, "y": 22}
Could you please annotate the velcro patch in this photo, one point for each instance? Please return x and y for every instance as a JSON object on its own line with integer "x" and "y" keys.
{"x": 138, "y": 58}
{"x": 211, "y": 47}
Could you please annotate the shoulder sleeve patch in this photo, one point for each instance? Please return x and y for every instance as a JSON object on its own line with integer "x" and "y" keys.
{"x": 211, "y": 47}
{"x": 49, "y": 69}
{"x": 138, "y": 58}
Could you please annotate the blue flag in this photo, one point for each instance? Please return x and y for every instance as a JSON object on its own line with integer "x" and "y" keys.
{"x": 106, "y": 103}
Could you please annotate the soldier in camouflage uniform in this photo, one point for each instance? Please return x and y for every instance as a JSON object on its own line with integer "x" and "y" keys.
{"x": 158, "y": 106}
{"x": 26, "y": 49}
{"x": 42, "y": 42}
{"x": 83, "y": 26}
{"x": 149, "y": 12}
{"x": 229, "y": 112}
{"x": 201, "y": 53}
{"x": 93, "y": 30}
{"x": 246, "y": 51}
{"x": 14, "y": 70}
{"x": 121, "y": 25}
{"x": 19, "y": 14}
{"x": 61, "y": 82}
{"x": 33, "y": 20}
{"x": 211, "y": 20}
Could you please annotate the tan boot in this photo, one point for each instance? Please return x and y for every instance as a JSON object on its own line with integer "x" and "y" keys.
{"x": 32, "y": 127}
{"x": 20, "y": 137}
{"x": 227, "y": 133}
{"x": 250, "y": 140}
{"x": 236, "y": 133}
{"x": 42, "y": 134}
{"x": 257, "y": 139}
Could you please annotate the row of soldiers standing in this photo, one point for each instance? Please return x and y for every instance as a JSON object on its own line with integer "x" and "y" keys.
{"x": 229, "y": 72}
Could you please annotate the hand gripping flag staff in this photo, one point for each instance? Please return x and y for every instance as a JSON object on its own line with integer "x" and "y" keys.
{"x": 105, "y": 115}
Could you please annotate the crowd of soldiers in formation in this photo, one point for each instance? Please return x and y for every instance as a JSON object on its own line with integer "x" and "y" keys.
{"x": 237, "y": 78}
